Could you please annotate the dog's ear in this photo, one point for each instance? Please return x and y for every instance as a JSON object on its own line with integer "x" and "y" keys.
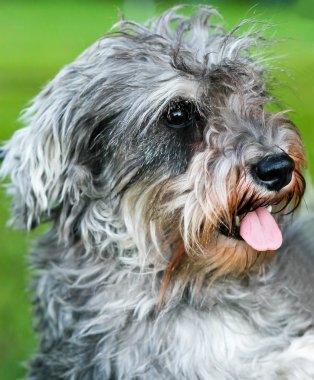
{"x": 52, "y": 160}
{"x": 34, "y": 161}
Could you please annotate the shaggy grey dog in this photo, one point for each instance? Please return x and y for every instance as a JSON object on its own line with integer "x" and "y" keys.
{"x": 166, "y": 185}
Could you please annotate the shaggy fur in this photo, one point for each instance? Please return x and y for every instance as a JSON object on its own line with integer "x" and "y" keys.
{"x": 135, "y": 279}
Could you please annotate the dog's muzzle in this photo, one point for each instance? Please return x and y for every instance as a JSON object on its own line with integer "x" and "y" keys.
{"x": 257, "y": 226}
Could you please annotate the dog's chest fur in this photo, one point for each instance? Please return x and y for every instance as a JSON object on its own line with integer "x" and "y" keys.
{"x": 228, "y": 331}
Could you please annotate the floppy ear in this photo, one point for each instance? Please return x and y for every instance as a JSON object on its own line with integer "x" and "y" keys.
{"x": 57, "y": 153}
{"x": 32, "y": 159}
{"x": 47, "y": 159}
{"x": 41, "y": 158}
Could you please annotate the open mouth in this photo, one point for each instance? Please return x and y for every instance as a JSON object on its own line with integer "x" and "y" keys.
{"x": 258, "y": 228}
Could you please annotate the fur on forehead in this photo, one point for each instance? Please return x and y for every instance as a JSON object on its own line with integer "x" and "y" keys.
{"x": 173, "y": 56}
{"x": 117, "y": 87}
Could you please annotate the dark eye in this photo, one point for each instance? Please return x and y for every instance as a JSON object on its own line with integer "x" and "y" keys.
{"x": 180, "y": 114}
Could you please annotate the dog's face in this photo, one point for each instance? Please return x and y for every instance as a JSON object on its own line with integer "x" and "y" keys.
{"x": 158, "y": 138}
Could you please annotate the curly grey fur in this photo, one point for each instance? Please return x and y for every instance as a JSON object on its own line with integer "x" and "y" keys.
{"x": 94, "y": 158}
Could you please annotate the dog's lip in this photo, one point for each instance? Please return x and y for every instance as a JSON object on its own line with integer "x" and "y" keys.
{"x": 234, "y": 233}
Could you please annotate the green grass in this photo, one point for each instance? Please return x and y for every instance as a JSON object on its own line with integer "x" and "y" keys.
{"x": 37, "y": 39}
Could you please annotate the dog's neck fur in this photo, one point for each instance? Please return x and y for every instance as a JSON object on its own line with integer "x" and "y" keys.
{"x": 231, "y": 321}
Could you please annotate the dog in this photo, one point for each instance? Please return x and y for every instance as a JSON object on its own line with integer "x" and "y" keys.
{"x": 168, "y": 189}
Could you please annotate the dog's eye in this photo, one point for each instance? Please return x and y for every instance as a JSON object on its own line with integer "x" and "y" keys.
{"x": 180, "y": 115}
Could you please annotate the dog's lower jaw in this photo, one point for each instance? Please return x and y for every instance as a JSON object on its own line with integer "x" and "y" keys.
{"x": 220, "y": 257}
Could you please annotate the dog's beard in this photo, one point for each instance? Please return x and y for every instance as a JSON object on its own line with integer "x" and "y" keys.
{"x": 192, "y": 220}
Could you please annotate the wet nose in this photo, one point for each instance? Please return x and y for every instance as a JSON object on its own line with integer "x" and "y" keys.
{"x": 274, "y": 171}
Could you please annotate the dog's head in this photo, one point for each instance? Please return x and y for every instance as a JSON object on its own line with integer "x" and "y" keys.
{"x": 157, "y": 137}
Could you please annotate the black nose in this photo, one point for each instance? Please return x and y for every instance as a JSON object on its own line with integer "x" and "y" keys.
{"x": 274, "y": 171}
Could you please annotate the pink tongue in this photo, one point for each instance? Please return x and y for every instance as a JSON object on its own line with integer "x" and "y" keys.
{"x": 260, "y": 230}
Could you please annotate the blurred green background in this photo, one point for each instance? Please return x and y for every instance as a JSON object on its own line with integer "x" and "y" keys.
{"x": 38, "y": 37}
